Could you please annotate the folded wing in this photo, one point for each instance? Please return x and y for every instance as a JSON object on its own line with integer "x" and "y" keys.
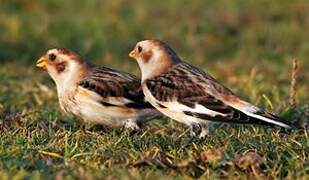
{"x": 114, "y": 88}
{"x": 195, "y": 93}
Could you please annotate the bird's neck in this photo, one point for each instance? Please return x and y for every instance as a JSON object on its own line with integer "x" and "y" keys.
{"x": 150, "y": 71}
{"x": 66, "y": 86}
{"x": 68, "y": 82}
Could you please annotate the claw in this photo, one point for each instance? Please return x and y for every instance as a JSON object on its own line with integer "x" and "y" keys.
{"x": 195, "y": 130}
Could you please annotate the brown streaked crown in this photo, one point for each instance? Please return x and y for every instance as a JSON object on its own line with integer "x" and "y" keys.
{"x": 58, "y": 60}
{"x": 154, "y": 57}
{"x": 71, "y": 54}
{"x": 164, "y": 47}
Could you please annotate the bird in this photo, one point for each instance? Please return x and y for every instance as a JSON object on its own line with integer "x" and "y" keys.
{"x": 191, "y": 96}
{"x": 96, "y": 94}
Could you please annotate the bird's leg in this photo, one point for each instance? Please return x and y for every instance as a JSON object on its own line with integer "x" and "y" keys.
{"x": 195, "y": 129}
{"x": 203, "y": 133}
{"x": 205, "y": 129}
{"x": 131, "y": 126}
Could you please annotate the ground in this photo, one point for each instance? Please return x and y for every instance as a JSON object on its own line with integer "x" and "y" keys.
{"x": 248, "y": 45}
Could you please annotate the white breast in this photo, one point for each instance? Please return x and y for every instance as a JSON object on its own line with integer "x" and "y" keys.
{"x": 171, "y": 109}
{"x": 175, "y": 110}
{"x": 86, "y": 105}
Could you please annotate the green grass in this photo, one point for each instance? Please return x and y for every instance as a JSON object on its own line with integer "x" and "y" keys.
{"x": 248, "y": 45}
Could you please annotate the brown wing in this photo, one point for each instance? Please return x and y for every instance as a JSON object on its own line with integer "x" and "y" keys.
{"x": 184, "y": 80}
{"x": 189, "y": 86}
{"x": 111, "y": 83}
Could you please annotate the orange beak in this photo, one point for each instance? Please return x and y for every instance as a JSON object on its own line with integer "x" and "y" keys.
{"x": 132, "y": 54}
{"x": 41, "y": 63}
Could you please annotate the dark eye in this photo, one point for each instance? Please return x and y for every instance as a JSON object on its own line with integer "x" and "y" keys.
{"x": 52, "y": 57}
{"x": 139, "y": 49}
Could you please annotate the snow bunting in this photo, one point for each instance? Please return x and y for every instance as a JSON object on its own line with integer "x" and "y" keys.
{"x": 190, "y": 95}
{"x": 97, "y": 94}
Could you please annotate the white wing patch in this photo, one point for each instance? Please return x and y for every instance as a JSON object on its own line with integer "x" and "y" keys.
{"x": 177, "y": 107}
{"x": 118, "y": 101}
{"x": 250, "y": 110}
{"x": 92, "y": 96}
{"x": 267, "y": 120}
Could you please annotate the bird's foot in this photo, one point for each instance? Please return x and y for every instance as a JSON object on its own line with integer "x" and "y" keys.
{"x": 188, "y": 143}
{"x": 203, "y": 134}
{"x": 195, "y": 129}
{"x": 197, "y": 133}
{"x": 131, "y": 127}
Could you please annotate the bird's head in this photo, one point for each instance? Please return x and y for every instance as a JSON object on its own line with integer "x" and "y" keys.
{"x": 62, "y": 65}
{"x": 153, "y": 57}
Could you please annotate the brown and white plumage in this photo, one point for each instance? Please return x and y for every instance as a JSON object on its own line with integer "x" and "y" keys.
{"x": 97, "y": 94}
{"x": 190, "y": 95}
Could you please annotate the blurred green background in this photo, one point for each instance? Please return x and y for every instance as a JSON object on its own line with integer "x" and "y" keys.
{"x": 200, "y": 30}
{"x": 248, "y": 45}
{"x": 224, "y": 37}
